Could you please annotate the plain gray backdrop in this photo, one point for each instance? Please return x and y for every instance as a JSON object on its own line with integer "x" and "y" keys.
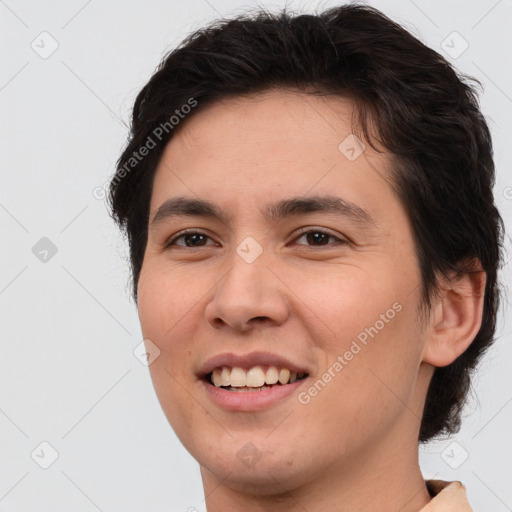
{"x": 80, "y": 426}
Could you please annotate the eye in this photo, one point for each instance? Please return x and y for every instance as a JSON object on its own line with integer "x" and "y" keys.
{"x": 315, "y": 236}
{"x": 196, "y": 237}
{"x": 319, "y": 237}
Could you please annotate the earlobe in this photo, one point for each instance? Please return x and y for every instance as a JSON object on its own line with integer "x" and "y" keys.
{"x": 456, "y": 318}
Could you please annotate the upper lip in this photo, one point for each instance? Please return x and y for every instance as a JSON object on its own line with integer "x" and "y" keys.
{"x": 232, "y": 360}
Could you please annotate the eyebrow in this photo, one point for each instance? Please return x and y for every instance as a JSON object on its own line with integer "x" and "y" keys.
{"x": 184, "y": 206}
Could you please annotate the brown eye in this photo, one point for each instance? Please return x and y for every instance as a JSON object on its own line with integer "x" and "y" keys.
{"x": 318, "y": 237}
{"x": 192, "y": 239}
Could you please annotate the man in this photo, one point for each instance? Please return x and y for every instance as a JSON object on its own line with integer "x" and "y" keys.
{"x": 314, "y": 249}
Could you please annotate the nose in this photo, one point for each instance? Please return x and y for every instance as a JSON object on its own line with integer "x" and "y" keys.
{"x": 249, "y": 294}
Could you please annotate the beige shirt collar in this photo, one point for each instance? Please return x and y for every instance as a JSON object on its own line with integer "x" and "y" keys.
{"x": 448, "y": 497}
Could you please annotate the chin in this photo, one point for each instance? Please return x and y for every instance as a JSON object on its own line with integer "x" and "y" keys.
{"x": 251, "y": 471}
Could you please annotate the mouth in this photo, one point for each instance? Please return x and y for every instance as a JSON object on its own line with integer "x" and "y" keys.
{"x": 254, "y": 379}
{"x": 251, "y": 382}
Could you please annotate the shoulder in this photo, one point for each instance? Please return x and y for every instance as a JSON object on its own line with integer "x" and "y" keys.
{"x": 447, "y": 497}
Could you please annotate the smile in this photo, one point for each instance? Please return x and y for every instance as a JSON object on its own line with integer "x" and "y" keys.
{"x": 257, "y": 378}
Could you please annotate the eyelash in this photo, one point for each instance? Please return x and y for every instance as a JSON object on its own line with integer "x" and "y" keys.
{"x": 304, "y": 231}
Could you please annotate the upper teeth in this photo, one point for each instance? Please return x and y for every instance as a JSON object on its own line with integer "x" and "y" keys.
{"x": 254, "y": 377}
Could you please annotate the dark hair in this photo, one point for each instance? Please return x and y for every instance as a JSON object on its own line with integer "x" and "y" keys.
{"x": 408, "y": 100}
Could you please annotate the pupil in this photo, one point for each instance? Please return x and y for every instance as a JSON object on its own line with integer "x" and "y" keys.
{"x": 314, "y": 236}
{"x": 195, "y": 236}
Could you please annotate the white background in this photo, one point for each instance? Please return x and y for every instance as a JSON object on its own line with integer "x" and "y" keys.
{"x": 68, "y": 325}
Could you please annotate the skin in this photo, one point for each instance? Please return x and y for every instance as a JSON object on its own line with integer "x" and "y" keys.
{"x": 354, "y": 446}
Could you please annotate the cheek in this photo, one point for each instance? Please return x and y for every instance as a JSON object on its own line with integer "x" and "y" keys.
{"x": 364, "y": 389}
{"x": 347, "y": 303}
{"x": 371, "y": 346}
{"x": 165, "y": 313}
{"x": 164, "y": 298}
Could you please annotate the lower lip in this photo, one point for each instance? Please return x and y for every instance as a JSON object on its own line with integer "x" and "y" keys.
{"x": 250, "y": 400}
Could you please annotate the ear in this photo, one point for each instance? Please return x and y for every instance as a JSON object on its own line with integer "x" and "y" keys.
{"x": 457, "y": 315}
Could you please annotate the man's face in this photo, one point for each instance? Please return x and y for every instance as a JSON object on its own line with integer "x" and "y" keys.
{"x": 330, "y": 294}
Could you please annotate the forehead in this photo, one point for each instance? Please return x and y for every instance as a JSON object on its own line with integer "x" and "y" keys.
{"x": 284, "y": 117}
{"x": 270, "y": 144}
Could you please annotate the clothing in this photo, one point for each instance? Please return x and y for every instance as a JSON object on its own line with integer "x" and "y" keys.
{"x": 447, "y": 497}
